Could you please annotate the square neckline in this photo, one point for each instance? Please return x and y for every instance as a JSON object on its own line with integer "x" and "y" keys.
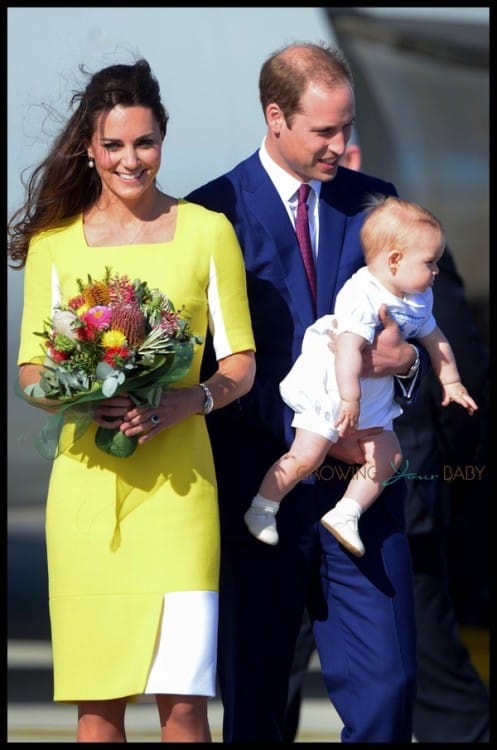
{"x": 181, "y": 202}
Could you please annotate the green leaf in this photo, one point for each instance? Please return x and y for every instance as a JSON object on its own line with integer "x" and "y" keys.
{"x": 115, "y": 442}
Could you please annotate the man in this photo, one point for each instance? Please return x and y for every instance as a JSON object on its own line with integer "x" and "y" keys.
{"x": 452, "y": 701}
{"x": 362, "y": 610}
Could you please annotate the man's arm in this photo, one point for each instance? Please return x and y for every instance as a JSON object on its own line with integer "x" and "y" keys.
{"x": 390, "y": 354}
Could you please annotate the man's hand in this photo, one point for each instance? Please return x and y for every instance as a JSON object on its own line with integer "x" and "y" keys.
{"x": 389, "y": 354}
{"x": 349, "y": 449}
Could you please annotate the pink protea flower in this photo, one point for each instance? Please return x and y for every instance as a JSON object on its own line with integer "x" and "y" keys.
{"x": 129, "y": 319}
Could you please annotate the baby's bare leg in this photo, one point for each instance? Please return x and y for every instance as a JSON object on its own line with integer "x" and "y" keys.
{"x": 383, "y": 456}
{"x": 305, "y": 455}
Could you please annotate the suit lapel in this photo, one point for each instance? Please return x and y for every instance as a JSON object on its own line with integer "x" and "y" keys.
{"x": 270, "y": 213}
{"x": 332, "y": 226}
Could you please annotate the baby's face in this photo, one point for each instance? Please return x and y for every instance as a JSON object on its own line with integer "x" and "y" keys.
{"x": 417, "y": 265}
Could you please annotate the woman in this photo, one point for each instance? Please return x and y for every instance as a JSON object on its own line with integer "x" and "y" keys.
{"x": 132, "y": 543}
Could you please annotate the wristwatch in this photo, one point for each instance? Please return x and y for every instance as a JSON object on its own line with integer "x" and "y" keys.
{"x": 413, "y": 368}
{"x": 209, "y": 401}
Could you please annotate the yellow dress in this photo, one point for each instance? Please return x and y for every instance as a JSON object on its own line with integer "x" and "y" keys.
{"x": 133, "y": 585}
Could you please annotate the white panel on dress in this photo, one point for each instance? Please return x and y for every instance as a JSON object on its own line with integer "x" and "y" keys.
{"x": 185, "y": 658}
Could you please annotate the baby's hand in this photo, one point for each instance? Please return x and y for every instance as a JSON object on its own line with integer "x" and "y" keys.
{"x": 457, "y": 392}
{"x": 348, "y": 416}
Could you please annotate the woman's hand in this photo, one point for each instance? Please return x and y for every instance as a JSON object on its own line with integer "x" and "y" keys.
{"x": 176, "y": 404}
{"x": 233, "y": 378}
{"x": 109, "y": 413}
{"x": 30, "y": 374}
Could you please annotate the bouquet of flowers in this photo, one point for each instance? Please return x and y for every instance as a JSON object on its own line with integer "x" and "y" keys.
{"x": 115, "y": 336}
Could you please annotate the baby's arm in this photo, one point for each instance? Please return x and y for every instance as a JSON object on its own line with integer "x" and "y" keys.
{"x": 348, "y": 366}
{"x": 444, "y": 364}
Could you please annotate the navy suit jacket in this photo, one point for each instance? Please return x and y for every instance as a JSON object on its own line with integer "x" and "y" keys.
{"x": 257, "y": 426}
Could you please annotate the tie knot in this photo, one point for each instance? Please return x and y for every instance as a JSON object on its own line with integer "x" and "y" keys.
{"x": 303, "y": 193}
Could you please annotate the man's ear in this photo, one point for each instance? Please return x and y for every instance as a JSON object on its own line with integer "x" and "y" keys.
{"x": 274, "y": 118}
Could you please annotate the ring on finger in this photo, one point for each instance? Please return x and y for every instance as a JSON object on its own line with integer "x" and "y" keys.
{"x": 154, "y": 419}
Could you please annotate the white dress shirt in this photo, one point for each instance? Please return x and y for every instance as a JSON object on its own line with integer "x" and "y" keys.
{"x": 287, "y": 187}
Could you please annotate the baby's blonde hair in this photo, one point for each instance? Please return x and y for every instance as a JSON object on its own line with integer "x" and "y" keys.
{"x": 390, "y": 222}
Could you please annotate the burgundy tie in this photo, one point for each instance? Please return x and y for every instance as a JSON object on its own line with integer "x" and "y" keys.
{"x": 304, "y": 238}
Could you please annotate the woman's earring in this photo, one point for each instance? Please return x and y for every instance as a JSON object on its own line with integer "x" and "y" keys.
{"x": 91, "y": 162}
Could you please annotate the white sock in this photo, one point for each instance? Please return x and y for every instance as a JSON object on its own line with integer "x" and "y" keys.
{"x": 349, "y": 506}
{"x": 271, "y": 506}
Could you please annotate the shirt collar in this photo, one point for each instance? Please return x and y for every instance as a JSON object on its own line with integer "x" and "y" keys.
{"x": 285, "y": 184}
